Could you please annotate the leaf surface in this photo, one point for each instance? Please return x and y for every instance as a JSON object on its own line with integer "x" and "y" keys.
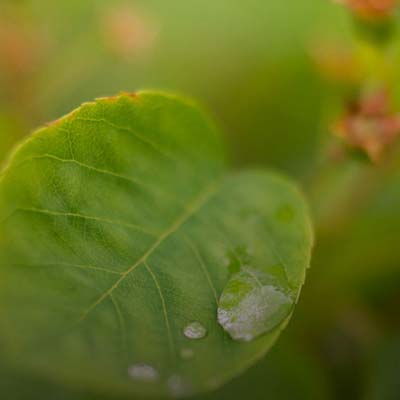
{"x": 131, "y": 258}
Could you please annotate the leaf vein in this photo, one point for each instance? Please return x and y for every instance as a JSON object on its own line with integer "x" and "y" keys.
{"x": 279, "y": 256}
{"x": 61, "y": 264}
{"x": 84, "y": 165}
{"x": 121, "y": 321}
{"x": 164, "y": 307}
{"x": 202, "y": 266}
{"x": 83, "y": 216}
{"x": 197, "y": 203}
{"x": 97, "y": 170}
{"x": 135, "y": 133}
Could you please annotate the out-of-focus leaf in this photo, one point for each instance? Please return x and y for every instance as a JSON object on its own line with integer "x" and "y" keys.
{"x": 122, "y": 232}
{"x": 363, "y": 226}
{"x": 249, "y": 62}
{"x": 9, "y": 133}
{"x": 383, "y": 376}
{"x": 286, "y": 373}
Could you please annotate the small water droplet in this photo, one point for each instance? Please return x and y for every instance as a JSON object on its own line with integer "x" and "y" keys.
{"x": 213, "y": 384}
{"x": 226, "y": 261}
{"x": 249, "y": 308}
{"x": 187, "y": 353}
{"x": 178, "y": 387}
{"x": 195, "y": 330}
{"x": 143, "y": 372}
{"x": 285, "y": 213}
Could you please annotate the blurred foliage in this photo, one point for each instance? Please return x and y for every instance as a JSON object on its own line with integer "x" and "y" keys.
{"x": 382, "y": 377}
{"x": 276, "y": 75}
{"x": 250, "y": 63}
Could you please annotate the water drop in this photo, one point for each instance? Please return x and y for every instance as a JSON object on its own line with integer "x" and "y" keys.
{"x": 227, "y": 261}
{"x": 195, "y": 330}
{"x": 143, "y": 372}
{"x": 178, "y": 387}
{"x": 251, "y": 306}
{"x": 187, "y": 353}
{"x": 213, "y": 384}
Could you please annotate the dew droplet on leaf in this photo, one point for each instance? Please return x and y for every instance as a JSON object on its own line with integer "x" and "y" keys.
{"x": 143, "y": 372}
{"x": 187, "y": 354}
{"x": 213, "y": 383}
{"x": 195, "y": 330}
{"x": 251, "y": 306}
{"x": 178, "y": 387}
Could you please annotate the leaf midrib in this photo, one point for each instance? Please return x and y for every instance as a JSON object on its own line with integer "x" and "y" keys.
{"x": 193, "y": 207}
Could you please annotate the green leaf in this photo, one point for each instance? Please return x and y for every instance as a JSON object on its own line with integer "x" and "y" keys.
{"x": 124, "y": 238}
{"x": 382, "y": 379}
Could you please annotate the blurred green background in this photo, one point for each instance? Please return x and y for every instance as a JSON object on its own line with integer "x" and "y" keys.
{"x": 275, "y": 74}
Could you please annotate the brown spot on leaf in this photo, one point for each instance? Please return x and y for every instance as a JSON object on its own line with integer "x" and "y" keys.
{"x": 132, "y": 95}
{"x": 370, "y": 125}
{"x": 53, "y": 123}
